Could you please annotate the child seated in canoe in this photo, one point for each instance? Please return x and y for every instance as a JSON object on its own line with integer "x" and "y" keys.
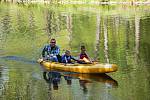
{"x": 67, "y": 58}
{"x": 83, "y": 57}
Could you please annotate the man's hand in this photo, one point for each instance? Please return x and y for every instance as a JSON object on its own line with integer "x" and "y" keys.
{"x": 51, "y": 55}
{"x": 40, "y": 60}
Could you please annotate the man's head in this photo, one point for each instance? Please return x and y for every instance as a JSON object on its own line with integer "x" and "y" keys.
{"x": 52, "y": 42}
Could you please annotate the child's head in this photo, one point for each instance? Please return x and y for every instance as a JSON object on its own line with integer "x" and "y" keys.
{"x": 83, "y": 48}
{"x": 67, "y": 52}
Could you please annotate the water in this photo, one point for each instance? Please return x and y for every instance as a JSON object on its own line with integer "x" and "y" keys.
{"x": 111, "y": 34}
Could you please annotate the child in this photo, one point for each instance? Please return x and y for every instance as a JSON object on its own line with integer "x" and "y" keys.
{"x": 84, "y": 58}
{"x": 66, "y": 58}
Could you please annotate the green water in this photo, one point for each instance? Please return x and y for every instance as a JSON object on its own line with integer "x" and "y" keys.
{"x": 111, "y": 34}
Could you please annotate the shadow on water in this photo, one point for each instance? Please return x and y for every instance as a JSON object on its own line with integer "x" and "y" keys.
{"x": 16, "y": 58}
{"x": 53, "y": 78}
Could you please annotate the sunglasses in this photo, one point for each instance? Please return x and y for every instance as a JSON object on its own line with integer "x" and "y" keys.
{"x": 53, "y": 42}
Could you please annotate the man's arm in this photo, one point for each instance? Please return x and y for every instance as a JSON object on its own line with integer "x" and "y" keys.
{"x": 43, "y": 52}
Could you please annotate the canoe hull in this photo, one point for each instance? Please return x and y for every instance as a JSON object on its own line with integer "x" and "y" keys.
{"x": 80, "y": 68}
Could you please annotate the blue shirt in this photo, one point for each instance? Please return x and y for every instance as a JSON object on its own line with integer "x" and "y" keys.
{"x": 67, "y": 59}
{"x": 48, "y": 50}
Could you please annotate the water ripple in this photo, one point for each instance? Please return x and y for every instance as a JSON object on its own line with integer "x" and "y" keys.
{"x": 17, "y": 58}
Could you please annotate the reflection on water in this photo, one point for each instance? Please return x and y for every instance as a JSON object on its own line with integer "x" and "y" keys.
{"x": 103, "y": 78}
{"x": 4, "y": 78}
{"x": 15, "y": 58}
{"x": 53, "y": 78}
{"x": 111, "y": 34}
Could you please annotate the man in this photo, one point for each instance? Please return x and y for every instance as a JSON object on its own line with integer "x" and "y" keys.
{"x": 51, "y": 51}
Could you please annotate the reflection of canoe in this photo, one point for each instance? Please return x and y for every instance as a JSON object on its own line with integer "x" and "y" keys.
{"x": 95, "y": 77}
{"x": 80, "y": 68}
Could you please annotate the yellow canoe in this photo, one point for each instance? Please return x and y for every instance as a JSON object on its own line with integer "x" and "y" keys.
{"x": 79, "y": 68}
